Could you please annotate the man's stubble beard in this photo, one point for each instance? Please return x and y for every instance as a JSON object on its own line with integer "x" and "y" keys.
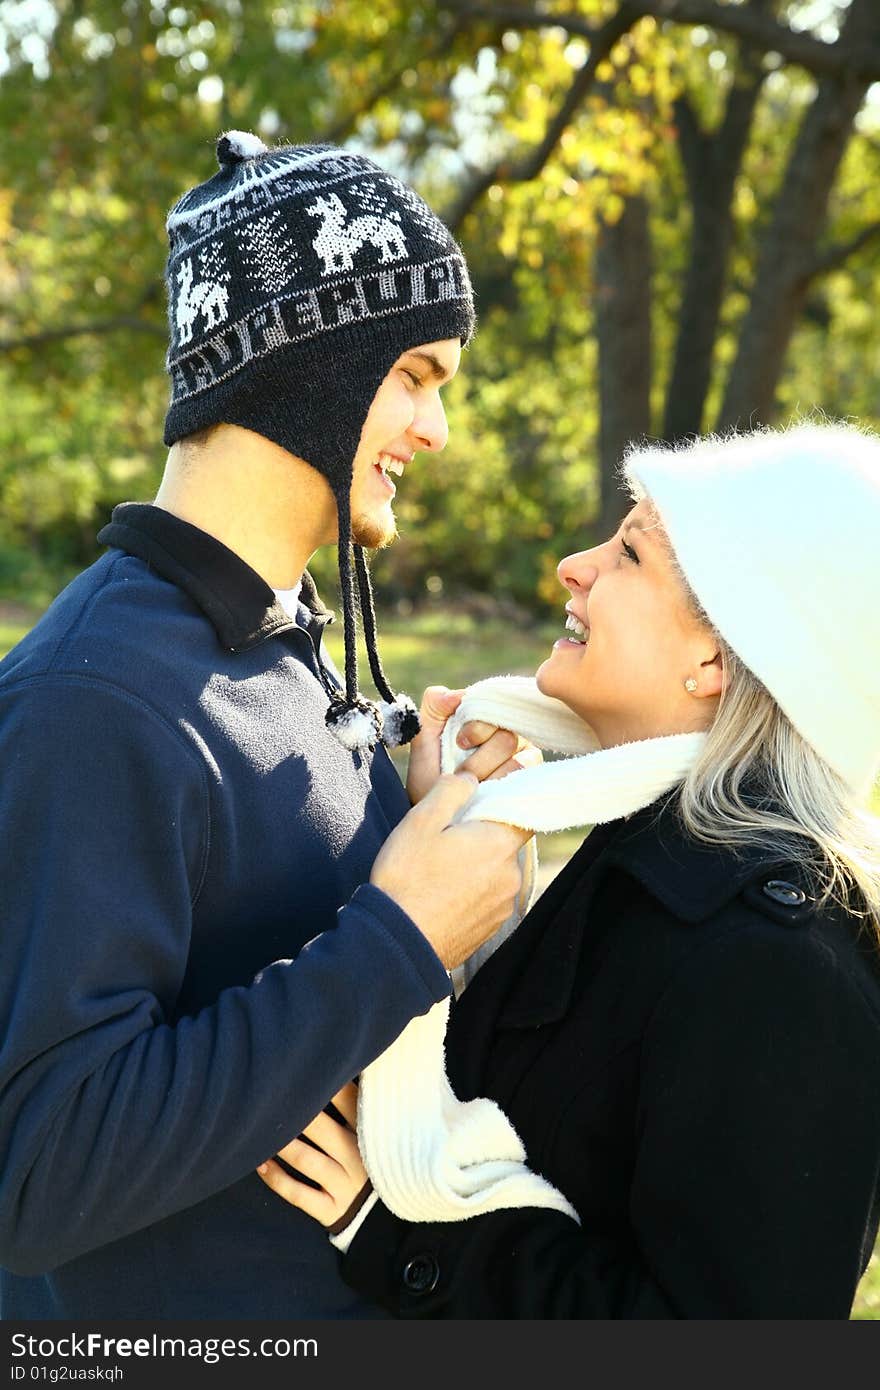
{"x": 367, "y": 532}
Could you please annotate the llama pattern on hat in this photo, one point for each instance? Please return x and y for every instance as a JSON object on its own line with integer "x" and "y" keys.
{"x": 342, "y": 234}
{"x": 297, "y": 243}
{"x": 207, "y": 296}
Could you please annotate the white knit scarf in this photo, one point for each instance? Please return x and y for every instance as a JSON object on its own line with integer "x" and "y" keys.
{"x": 430, "y": 1156}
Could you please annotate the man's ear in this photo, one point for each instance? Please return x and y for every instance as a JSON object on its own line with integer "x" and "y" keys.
{"x": 711, "y": 676}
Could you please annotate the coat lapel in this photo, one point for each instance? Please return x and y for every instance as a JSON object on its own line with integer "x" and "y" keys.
{"x": 503, "y": 993}
{"x": 529, "y": 980}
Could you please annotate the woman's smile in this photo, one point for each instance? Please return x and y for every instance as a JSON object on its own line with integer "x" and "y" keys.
{"x": 580, "y": 632}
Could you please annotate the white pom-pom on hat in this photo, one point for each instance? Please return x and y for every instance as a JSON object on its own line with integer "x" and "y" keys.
{"x": 400, "y": 721}
{"x": 355, "y": 730}
{"x": 236, "y": 145}
{"x": 356, "y": 726}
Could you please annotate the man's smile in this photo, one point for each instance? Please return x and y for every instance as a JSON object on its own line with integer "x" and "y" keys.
{"x": 390, "y": 463}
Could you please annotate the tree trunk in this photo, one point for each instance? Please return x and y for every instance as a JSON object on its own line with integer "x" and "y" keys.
{"x": 623, "y": 331}
{"x": 711, "y": 163}
{"x": 788, "y": 252}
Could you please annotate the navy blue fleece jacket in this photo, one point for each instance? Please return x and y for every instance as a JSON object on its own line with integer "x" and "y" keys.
{"x": 193, "y": 961}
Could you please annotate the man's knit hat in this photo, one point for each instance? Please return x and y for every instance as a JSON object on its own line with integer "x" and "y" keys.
{"x": 776, "y": 532}
{"x": 296, "y": 277}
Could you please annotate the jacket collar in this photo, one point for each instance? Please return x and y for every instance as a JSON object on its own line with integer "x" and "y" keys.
{"x": 529, "y": 979}
{"x": 692, "y": 881}
{"x": 237, "y": 600}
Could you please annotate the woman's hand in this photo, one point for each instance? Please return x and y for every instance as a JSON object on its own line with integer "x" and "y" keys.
{"x": 334, "y": 1164}
{"x": 497, "y": 752}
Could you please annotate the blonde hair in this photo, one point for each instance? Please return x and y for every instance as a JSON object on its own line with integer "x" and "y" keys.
{"x": 758, "y": 782}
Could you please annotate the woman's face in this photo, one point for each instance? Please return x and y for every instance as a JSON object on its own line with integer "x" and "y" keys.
{"x": 643, "y": 641}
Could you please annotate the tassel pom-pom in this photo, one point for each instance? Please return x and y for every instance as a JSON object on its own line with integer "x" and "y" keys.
{"x": 357, "y": 726}
{"x": 400, "y": 721}
{"x": 235, "y": 145}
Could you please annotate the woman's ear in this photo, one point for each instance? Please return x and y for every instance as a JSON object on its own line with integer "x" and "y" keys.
{"x": 711, "y": 680}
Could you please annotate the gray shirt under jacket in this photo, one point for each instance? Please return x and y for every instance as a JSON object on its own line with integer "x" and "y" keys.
{"x": 193, "y": 959}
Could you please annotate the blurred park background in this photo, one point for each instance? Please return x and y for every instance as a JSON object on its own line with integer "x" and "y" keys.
{"x": 671, "y": 210}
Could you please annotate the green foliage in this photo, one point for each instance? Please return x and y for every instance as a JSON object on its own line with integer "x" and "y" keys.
{"x": 867, "y": 1304}
{"x": 110, "y": 110}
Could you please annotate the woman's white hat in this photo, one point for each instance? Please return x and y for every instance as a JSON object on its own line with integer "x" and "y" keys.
{"x": 778, "y": 534}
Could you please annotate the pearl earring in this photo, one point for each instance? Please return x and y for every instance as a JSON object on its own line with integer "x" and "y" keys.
{"x": 690, "y": 684}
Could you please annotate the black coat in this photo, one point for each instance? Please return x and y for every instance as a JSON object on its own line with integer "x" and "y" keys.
{"x": 691, "y": 1059}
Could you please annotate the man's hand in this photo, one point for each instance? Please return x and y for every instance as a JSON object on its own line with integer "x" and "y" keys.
{"x": 458, "y": 883}
{"x": 498, "y": 752}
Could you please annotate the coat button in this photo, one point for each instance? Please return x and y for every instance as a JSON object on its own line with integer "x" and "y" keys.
{"x": 420, "y": 1274}
{"x": 784, "y": 893}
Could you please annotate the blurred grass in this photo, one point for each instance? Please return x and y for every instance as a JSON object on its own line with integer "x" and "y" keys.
{"x": 10, "y": 633}
{"x": 442, "y": 646}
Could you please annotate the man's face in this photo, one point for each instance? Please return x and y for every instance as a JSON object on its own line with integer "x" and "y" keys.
{"x": 406, "y": 416}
